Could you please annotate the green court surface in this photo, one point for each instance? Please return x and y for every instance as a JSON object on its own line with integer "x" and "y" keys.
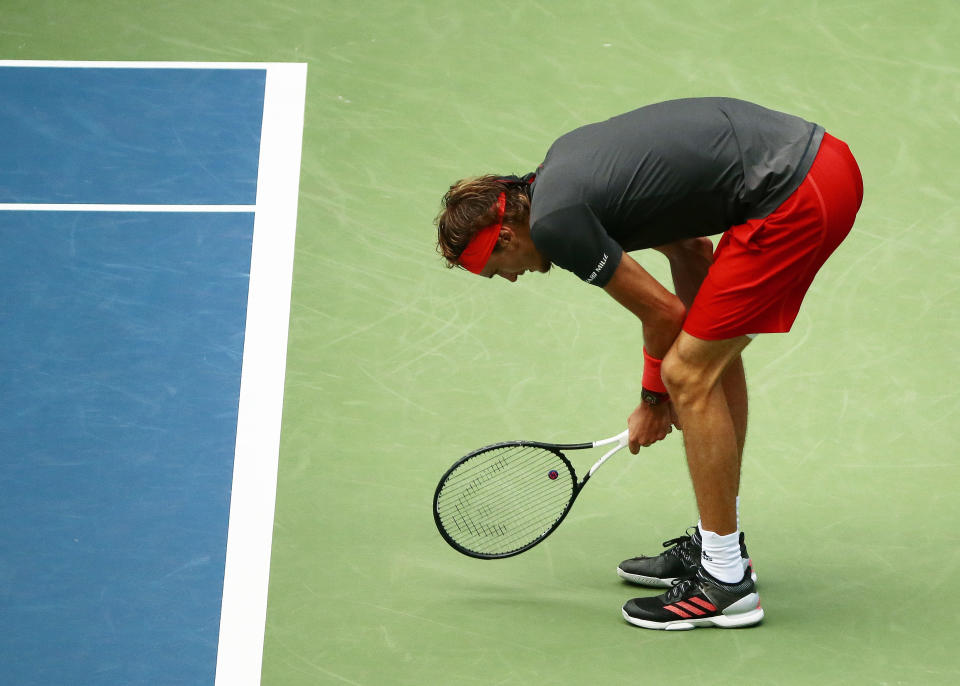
{"x": 397, "y": 365}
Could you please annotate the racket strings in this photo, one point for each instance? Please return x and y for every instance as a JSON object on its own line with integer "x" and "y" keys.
{"x": 513, "y": 532}
{"x": 485, "y": 493}
{"x": 502, "y": 500}
{"x": 480, "y": 478}
{"x": 496, "y": 461}
{"x": 497, "y": 518}
{"x": 497, "y": 535}
{"x": 507, "y": 502}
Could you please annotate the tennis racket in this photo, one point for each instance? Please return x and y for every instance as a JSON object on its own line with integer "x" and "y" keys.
{"x": 505, "y": 498}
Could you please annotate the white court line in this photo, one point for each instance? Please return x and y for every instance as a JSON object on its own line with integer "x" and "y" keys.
{"x": 139, "y": 65}
{"x": 253, "y": 498}
{"x": 90, "y": 207}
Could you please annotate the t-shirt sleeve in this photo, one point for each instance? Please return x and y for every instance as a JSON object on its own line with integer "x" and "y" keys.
{"x": 573, "y": 238}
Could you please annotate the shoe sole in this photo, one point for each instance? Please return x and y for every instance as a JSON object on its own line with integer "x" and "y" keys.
{"x": 641, "y": 580}
{"x": 735, "y": 621}
{"x": 655, "y": 582}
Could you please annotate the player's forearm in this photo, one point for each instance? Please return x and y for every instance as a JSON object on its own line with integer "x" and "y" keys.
{"x": 662, "y": 327}
{"x": 661, "y": 312}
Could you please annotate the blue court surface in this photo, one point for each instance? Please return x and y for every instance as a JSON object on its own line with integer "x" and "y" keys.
{"x": 129, "y": 198}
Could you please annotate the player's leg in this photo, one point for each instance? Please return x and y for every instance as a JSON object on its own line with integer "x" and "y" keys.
{"x": 694, "y": 372}
{"x": 690, "y": 262}
{"x": 721, "y": 593}
{"x": 779, "y": 256}
{"x": 735, "y": 391}
{"x": 682, "y": 556}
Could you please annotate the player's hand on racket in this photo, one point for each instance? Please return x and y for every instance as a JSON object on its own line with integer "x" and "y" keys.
{"x": 649, "y": 424}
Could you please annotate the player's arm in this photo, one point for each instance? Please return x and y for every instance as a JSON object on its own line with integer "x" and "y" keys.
{"x": 662, "y": 314}
{"x": 660, "y": 311}
{"x": 574, "y": 238}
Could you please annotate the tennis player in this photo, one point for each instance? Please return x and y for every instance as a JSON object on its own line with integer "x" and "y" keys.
{"x": 780, "y": 193}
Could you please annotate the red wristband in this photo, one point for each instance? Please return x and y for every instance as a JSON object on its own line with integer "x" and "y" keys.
{"x": 651, "y": 373}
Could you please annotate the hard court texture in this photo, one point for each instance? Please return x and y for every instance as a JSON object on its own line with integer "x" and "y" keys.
{"x": 398, "y": 366}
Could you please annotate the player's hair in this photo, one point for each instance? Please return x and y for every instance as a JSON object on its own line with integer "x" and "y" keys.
{"x": 471, "y": 204}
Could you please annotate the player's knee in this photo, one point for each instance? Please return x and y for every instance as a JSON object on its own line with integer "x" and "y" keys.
{"x": 702, "y": 247}
{"x": 675, "y": 373}
{"x": 684, "y": 381}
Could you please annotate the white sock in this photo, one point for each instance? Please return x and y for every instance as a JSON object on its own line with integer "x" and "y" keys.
{"x": 720, "y": 555}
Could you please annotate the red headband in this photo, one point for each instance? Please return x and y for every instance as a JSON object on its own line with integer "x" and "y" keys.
{"x": 475, "y": 256}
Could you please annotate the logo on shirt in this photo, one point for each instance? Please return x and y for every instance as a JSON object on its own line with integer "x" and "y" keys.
{"x": 598, "y": 269}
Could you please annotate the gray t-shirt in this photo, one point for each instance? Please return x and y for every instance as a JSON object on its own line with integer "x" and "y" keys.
{"x": 668, "y": 171}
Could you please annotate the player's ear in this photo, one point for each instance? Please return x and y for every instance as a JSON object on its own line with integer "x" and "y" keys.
{"x": 507, "y": 237}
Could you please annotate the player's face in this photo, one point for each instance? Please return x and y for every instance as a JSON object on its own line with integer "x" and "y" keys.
{"x": 515, "y": 255}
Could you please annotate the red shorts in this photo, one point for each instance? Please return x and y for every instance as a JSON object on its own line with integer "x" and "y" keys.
{"x": 762, "y": 269}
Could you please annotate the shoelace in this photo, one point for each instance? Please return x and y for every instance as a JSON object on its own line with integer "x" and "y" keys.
{"x": 685, "y": 548}
{"x": 679, "y": 589}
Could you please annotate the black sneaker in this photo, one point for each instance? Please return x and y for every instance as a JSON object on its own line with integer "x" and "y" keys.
{"x": 680, "y": 560}
{"x": 699, "y": 601}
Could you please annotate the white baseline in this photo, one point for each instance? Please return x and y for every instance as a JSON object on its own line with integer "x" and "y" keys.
{"x": 253, "y": 498}
{"x": 91, "y": 207}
